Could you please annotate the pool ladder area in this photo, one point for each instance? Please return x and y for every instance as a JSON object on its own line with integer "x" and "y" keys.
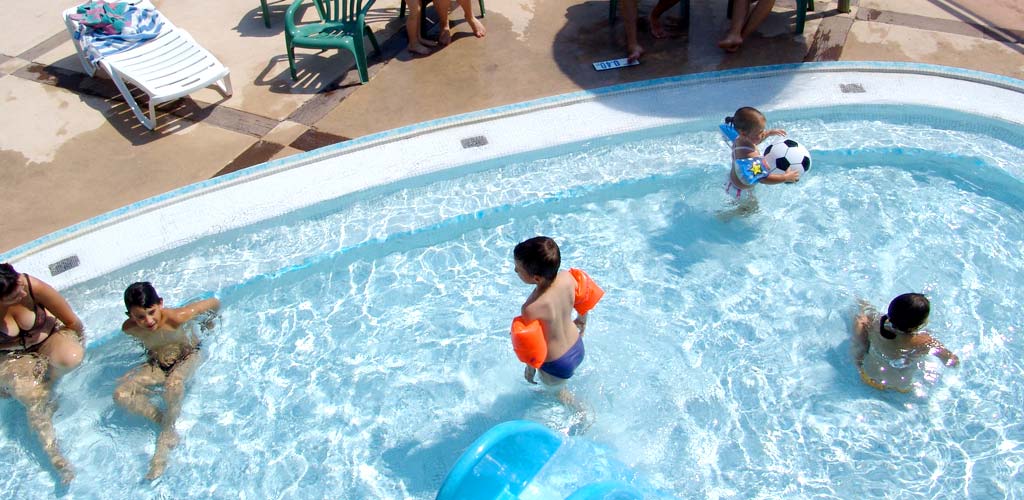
{"x": 506, "y": 463}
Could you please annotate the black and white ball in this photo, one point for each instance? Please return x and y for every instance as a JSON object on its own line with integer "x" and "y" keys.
{"x": 787, "y": 153}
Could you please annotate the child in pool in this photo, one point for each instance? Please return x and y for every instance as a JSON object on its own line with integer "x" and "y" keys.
{"x": 888, "y": 354}
{"x": 173, "y": 356}
{"x": 536, "y": 262}
{"x": 750, "y": 124}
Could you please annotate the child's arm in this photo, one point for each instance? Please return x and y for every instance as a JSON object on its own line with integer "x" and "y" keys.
{"x": 196, "y": 308}
{"x": 581, "y": 322}
{"x": 792, "y": 175}
{"x": 938, "y": 350}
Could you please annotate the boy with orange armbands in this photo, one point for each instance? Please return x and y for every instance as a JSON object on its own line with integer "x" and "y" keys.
{"x": 546, "y": 336}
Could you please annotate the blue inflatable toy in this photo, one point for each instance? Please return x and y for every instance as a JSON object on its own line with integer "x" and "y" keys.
{"x": 507, "y": 461}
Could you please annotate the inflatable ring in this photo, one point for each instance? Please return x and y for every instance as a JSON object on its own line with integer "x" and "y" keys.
{"x": 528, "y": 341}
{"x": 587, "y": 292}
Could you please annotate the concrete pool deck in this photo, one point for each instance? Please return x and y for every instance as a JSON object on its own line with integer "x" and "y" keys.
{"x": 71, "y": 149}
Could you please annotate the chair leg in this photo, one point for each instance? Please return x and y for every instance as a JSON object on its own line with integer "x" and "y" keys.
{"x": 801, "y": 16}
{"x": 483, "y": 11}
{"x": 359, "y": 53}
{"x": 266, "y": 13}
{"x": 373, "y": 39}
{"x": 401, "y": 10}
{"x": 291, "y": 59}
{"x": 224, "y": 85}
{"x": 146, "y": 122}
{"x": 613, "y": 7}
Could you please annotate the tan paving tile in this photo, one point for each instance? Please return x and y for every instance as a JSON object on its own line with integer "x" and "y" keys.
{"x": 886, "y": 42}
{"x": 87, "y": 157}
{"x": 1007, "y": 14}
{"x": 285, "y": 132}
{"x": 37, "y": 20}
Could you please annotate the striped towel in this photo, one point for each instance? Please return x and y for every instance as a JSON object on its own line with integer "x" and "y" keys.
{"x": 106, "y": 28}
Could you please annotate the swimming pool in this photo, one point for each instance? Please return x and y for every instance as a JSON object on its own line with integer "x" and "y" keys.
{"x": 364, "y": 341}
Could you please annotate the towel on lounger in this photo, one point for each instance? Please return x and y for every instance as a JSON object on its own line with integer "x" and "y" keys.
{"x": 106, "y": 28}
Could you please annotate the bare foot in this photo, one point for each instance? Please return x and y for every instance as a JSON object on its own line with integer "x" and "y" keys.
{"x": 156, "y": 468}
{"x": 731, "y": 43}
{"x": 634, "y": 53}
{"x": 478, "y": 27}
{"x": 657, "y": 30}
{"x": 166, "y": 442}
{"x": 416, "y": 48}
{"x": 64, "y": 468}
{"x": 445, "y": 37}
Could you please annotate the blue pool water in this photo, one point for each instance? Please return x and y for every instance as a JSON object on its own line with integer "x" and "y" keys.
{"x": 364, "y": 343}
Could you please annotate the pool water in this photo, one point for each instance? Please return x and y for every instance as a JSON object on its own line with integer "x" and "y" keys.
{"x": 363, "y": 344}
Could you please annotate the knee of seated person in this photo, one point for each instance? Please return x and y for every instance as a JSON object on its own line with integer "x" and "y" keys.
{"x": 67, "y": 359}
{"x": 124, "y": 392}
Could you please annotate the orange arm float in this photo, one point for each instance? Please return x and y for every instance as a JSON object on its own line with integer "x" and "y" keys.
{"x": 587, "y": 292}
{"x": 528, "y": 341}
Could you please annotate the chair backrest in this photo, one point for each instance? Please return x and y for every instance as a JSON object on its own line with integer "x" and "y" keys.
{"x": 342, "y": 10}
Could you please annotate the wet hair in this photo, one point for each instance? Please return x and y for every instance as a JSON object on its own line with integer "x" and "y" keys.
{"x": 906, "y": 312}
{"x": 8, "y": 279}
{"x": 140, "y": 294}
{"x": 539, "y": 256}
{"x": 746, "y": 119}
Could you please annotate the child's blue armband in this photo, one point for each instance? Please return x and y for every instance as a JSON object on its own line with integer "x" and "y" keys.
{"x": 751, "y": 170}
{"x": 729, "y": 132}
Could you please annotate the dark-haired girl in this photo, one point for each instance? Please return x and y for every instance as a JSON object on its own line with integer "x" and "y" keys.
{"x": 889, "y": 347}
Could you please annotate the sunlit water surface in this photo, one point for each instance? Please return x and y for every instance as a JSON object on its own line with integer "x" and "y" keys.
{"x": 364, "y": 345}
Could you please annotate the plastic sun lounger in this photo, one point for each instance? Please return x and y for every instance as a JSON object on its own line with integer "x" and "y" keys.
{"x": 167, "y": 67}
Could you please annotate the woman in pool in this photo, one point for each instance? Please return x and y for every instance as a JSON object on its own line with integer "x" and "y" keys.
{"x": 40, "y": 340}
{"x": 888, "y": 353}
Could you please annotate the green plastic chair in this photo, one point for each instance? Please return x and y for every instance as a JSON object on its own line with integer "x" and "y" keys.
{"x": 342, "y": 26}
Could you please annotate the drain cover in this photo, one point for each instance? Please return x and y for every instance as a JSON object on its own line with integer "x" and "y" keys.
{"x": 65, "y": 264}
{"x": 474, "y": 142}
{"x": 852, "y": 88}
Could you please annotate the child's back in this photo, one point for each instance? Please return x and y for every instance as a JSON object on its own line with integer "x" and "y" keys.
{"x": 553, "y": 306}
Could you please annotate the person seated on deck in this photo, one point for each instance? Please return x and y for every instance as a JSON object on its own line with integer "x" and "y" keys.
{"x": 173, "y": 356}
{"x": 744, "y": 22}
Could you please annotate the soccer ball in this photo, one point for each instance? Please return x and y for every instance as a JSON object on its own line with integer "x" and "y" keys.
{"x": 787, "y": 153}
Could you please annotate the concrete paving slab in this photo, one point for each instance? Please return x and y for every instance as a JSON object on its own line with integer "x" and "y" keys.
{"x": 51, "y": 165}
{"x": 35, "y": 22}
{"x": 886, "y": 42}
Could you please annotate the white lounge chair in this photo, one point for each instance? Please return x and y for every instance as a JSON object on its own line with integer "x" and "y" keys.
{"x": 167, "y": 67}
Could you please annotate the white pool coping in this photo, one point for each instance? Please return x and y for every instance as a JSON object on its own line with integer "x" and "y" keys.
{"x": 124, "y": 236}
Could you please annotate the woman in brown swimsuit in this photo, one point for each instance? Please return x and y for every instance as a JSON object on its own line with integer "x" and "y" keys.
{"x": 40, "y": 340}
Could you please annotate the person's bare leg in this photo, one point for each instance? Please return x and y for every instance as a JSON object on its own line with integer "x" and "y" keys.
{"x": 479, "y": 30}
{"x": 657, "y": 30}
{"x": 174, "y": 393}
{"x": 444, "y": 8}
{"x": 132, "y": 392}
{"x": 734, "y": 37}
{"x": 412, "y": 29}
{"x": 23, "y": 378}
{"x": 756, "y": 17}
{"x": 629, "y": 15}
{"x": 64, "y": 351}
